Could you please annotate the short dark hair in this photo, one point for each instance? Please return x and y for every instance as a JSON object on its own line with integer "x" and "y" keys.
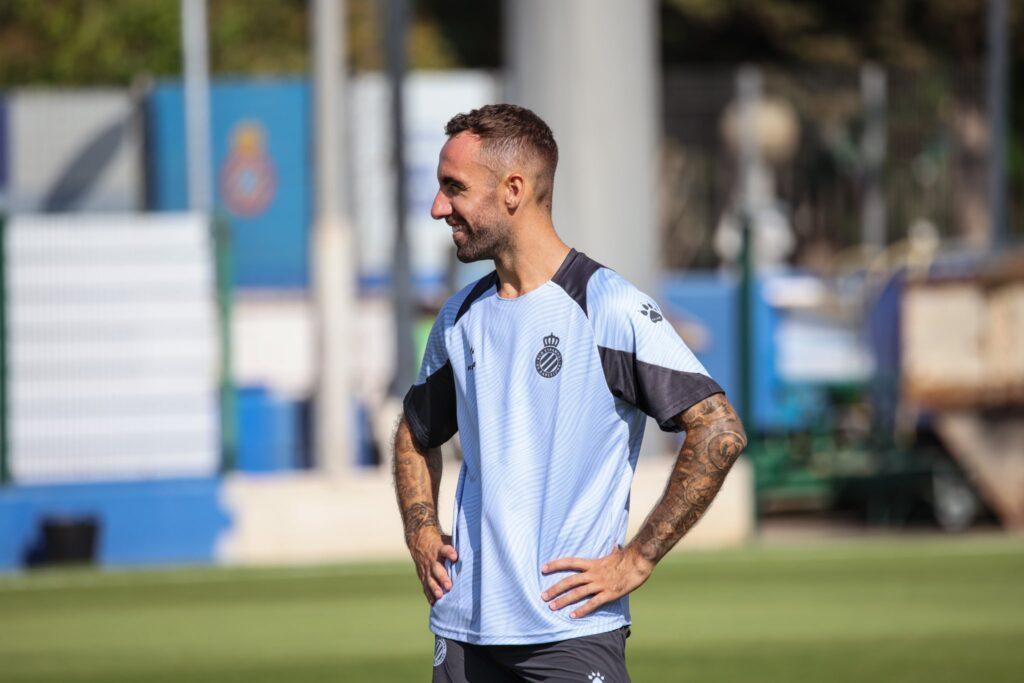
{"x": 507, "y": 132}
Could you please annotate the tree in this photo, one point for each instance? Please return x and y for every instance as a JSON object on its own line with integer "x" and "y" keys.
{"x": 111, "y": 42}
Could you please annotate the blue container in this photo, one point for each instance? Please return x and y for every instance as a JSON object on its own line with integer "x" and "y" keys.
{"x": 709, "y": 302}
{"x": 270, "y": 431}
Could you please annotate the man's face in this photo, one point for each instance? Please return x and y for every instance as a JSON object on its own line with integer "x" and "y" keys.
{"x": 468, "y": 201}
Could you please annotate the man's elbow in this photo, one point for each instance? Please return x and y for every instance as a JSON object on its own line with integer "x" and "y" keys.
{"x": 741, "y": 433}
{"x": 732, "y": 425}
{"x": 715, "y": 422}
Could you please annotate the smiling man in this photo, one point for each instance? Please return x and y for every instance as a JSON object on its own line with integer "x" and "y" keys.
{"x": 547, "y": 368}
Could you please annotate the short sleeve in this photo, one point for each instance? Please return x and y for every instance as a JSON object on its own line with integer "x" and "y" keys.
{"x": 429, "y": 404}
{"x": 645, "y": 361}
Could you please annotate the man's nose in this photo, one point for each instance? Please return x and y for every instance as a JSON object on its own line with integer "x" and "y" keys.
{"x": 441, "y": 207}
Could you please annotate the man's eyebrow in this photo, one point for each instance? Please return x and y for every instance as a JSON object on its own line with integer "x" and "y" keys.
{"x": 446, "y": 179}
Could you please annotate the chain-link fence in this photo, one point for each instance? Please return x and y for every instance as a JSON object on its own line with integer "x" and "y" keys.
{"x": 817, "y": 143}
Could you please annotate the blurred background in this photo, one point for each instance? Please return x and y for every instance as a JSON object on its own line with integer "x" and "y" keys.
{"x": 218, "y": 270}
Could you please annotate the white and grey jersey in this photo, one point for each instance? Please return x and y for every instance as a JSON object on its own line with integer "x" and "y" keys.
{"x": 549, "y": 393}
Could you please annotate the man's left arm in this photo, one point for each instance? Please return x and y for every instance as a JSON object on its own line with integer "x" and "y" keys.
{"x": 714, "y": 439}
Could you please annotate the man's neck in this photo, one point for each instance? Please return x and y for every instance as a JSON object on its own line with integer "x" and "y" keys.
{"x": 534, "y": 259}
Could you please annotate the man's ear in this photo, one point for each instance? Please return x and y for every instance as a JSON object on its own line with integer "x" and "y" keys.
{"x": 515, "y": 190}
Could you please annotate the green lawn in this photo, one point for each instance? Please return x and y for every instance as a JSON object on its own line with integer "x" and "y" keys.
{"x": 901, "y": 610}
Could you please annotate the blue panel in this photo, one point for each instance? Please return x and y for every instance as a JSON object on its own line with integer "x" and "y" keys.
{"x": 883, "y": 327}
{"x": 254, "y": 427}
{"x": 172, "y": 521}
{"x": 708, "y": 300}
{"x": 773, "y": 406}
{"x": 427, "y": 286}
{"x": 261, "y": 168}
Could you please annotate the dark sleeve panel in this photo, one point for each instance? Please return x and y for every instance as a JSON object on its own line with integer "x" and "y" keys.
{"x": 430, "y": 408}
{"x": 481, "y": 286}
{"x": 574, "y": 275}
{"x": 660, "y": 392}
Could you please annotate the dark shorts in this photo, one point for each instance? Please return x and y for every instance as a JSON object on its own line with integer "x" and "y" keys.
{"x": 600, "y": 658}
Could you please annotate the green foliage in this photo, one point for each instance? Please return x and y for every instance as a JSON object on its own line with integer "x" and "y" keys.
{"x": 112, "y": 42}
{"x": 907, "y": 34}
{"x": 258, "y": 37}
{"x": 87, "y": 41}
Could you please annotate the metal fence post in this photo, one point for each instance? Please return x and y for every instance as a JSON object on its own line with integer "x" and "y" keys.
{"x": 221, "y": 234}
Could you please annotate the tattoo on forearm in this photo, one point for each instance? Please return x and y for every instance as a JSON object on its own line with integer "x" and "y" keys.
{"x": 419, "y": 516}
{"x": 417, "y": 475}
{"x": 714, "y": 439}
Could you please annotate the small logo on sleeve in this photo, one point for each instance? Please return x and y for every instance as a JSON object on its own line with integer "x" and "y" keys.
{"x": 651, "y": 312}
{"x": 549, "y": 359}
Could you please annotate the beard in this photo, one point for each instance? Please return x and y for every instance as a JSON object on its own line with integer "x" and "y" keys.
{"x": 480, "y": 239}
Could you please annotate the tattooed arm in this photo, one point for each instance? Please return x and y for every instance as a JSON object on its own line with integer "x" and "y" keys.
{"x": 714, "y": 439}
{"x": 417, "y": 473}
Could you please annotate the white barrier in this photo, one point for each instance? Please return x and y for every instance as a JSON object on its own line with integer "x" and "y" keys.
{"x": 112, "y": 347}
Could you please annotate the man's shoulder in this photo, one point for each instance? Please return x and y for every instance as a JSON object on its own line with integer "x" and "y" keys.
{"x": 458, "y": 304}
{"x": 596, "y": 288}
{"x": 612, "y": 296}
{"x": 620, "y": 312}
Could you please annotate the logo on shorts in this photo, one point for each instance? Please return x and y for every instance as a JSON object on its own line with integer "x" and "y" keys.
{"x": 651, "y": 312}
{"x": 440, "y": 650}
{"x": 549, "y": 359}
{"x": 595, "y": 677}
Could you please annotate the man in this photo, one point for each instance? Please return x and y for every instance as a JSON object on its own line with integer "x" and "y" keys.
{"x": 547, "y": 368}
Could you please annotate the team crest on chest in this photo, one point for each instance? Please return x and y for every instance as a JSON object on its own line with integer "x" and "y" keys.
{"x": 549, "y": 358}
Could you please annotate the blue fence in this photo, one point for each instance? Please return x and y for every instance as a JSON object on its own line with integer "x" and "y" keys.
{"x": 261, "y": 172}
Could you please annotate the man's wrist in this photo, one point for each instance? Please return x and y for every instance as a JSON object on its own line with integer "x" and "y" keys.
{"x": 642, "y": 563}
{"x": 423, "y": 534}
{"x": 418, "y": 518}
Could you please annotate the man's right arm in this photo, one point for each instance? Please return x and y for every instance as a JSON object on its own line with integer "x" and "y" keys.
{"x": 417, "y": 473}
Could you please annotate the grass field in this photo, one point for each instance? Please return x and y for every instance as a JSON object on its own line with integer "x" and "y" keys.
{"x": 927, "y": 610}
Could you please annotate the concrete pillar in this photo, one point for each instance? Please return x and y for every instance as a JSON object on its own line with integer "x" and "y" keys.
{"x": 590, "y": 69}
{"x": 332, "y": 249}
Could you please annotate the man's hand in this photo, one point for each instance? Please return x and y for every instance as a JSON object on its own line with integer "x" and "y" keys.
{"x": 606, "y": 579}
{"x": 417, "y": 481}
{"x": 714, "y": 439}
{"x": 429, "y": 550}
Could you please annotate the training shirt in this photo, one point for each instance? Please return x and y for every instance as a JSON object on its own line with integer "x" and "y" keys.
{"x": 549, "y": 393}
